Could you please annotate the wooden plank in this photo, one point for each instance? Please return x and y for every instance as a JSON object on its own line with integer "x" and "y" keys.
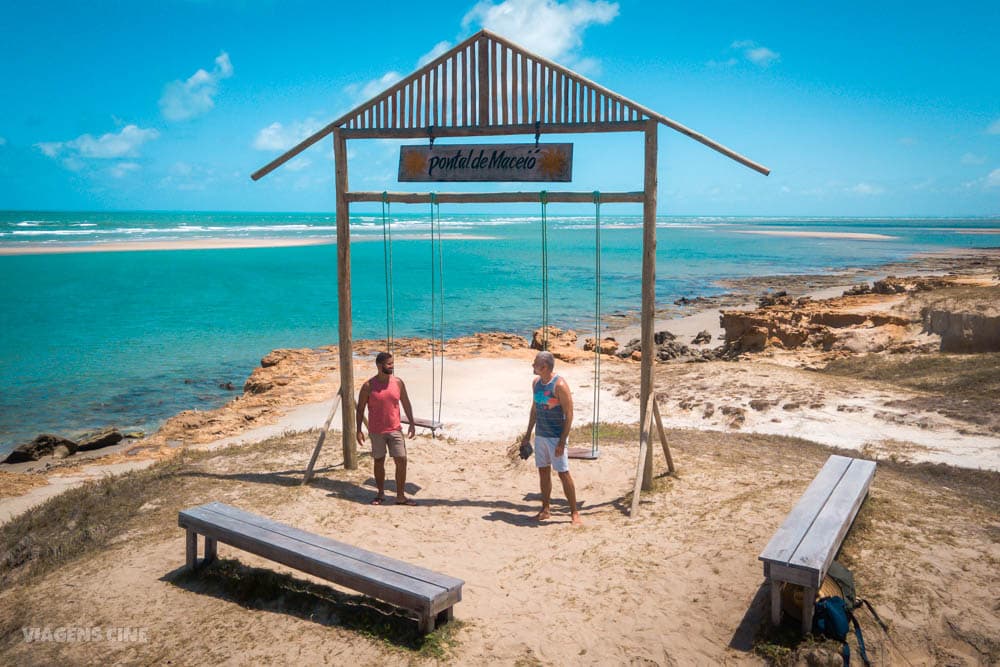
{"x": 786, "y": 539}
{"x": 831, "y": 524}
{"x": 496, "y": 197}
{"x": 483, "y": 82}
{"x": 499, "y": 130}
{"x": 504, "y": 98}
{"x": 309, "y": 553}
{"x": 211, "y": 549}
{"x": 524, "y": 89}
{"x": 453, "y": 63}
{"x": 211, "y": 511}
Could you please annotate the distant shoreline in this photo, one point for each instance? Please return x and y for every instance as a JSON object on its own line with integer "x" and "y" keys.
{"x": 129, "y": 246}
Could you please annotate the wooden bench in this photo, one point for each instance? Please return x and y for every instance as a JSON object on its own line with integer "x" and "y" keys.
{"x": 804, "y": 546}
{"x": 431, "y": 596}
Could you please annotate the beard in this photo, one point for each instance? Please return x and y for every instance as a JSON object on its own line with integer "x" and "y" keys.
{"x": 387, "y": 371}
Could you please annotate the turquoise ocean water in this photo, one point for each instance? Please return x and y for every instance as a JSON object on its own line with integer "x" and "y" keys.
{"x": 95, "y": 339}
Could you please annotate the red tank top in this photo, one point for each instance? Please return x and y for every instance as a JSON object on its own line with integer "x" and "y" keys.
{"x": 383, "y": 405}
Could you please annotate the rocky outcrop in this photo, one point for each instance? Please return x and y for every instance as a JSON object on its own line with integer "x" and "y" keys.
{"x": 43, "y": 445}
{"x": 786, "y": 323}
{"x": 963, "y": 331}
{"x": 105, "y": 438}
{"x": 561, "y": 343}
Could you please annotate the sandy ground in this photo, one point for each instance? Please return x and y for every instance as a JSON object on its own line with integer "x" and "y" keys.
{"x": 678, "y": 585}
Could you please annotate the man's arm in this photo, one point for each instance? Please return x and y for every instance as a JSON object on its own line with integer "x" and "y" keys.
{"x": 360, "y": 414}
{"x": 566, "y": 401}
{"x": 531, "y": 424}
{"x": 404, "y": 398}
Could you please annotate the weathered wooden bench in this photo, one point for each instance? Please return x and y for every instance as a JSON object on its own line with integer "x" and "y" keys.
{"x": 807, "y": 542}
{"x": 431, "y": 596}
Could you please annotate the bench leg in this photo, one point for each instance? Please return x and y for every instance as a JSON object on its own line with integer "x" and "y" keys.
{"x": 808, "y": 603}
{"x": 775, "y": 602}
{"x": 192, "y": 549}
{"x": 444, "y": 616}
{"x": 426, "y": 623}
{"x": 211, "y": 550}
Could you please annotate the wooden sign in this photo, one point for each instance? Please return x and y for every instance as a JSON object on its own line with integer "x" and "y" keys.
{"x": 487, "y": 162}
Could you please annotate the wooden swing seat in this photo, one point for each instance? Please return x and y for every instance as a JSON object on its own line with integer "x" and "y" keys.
{"x": 434, "y": 426}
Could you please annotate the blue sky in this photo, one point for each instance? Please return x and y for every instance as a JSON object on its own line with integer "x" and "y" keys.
{"x": 859, "y": 109}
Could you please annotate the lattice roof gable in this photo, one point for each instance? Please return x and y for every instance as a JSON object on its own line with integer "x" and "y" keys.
{"x": 489, "y": 81}
{"x": 486, "y": 83}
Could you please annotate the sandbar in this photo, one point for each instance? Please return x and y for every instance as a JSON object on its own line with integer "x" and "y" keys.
{"x": 822, "y": 235}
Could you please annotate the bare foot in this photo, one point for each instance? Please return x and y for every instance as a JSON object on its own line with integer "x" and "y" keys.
{"x": 575, "y": 518}
{"x": 542, "y": 516}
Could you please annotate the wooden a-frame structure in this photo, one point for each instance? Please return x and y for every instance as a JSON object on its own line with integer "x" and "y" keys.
{"x": 489, "y": 86}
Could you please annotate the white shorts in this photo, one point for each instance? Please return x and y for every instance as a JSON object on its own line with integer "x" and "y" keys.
{"x": 545, "y": 454}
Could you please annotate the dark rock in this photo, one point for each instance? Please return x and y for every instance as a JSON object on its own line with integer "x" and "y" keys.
{"x": 702, "y": 338}
{"x": 228, "y": 386}
{"x": 858, "y": 290}
{"x": 661, "y": 337}
{"x": 43, "y": 445}
{"x": 100, "y": 440}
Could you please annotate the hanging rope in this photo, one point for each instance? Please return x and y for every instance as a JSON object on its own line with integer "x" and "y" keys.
{"x": 390, "y": 308}
{"x": 594, "y": 439}
{"x": 437, "y": 312}
{"x": 544, "y": 198}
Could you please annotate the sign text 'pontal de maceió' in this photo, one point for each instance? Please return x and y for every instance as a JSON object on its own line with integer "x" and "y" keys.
{"x": 487, "y": 162}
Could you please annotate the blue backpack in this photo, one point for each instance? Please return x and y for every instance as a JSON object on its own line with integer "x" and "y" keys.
{"x": 833, "y": 616}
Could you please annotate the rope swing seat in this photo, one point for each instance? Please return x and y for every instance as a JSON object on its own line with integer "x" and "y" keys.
{"x": 434, "y": 424}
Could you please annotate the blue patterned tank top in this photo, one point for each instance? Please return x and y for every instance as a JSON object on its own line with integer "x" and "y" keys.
{"x": 549, "y": 415}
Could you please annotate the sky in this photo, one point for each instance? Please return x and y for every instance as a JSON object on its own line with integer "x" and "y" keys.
{"x": 858, "y": 108}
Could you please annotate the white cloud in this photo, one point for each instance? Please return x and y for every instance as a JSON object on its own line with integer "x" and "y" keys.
{"x": 994, "y": 127}
{"x": 551, "y": 29}
{"x": 972, "y": 158}
{"x": 366, "y": 91}
{"x": 993, "y": 180}
{"x": 109, "y": 146}
{"x": 755, "y": 53}
{"x": 122, "y": 169}
{"x": 182, "y": 100}
{"x": 438, "y": 49}
{"x": 867, "y": 189}
{"x": 277, "y": 137}
{"x": 3, "y": 141}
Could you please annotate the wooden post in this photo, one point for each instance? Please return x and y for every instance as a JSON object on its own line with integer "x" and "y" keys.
{"x": 322, "y": 437}
{"x": 345, "y": 346}
{"x": 648, "y": 287}
{"x": 663, "y": 436}
{"x": 644, "y": 447}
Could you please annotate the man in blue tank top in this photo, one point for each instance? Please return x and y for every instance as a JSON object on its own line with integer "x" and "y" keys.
{"x": 552, "y": 418}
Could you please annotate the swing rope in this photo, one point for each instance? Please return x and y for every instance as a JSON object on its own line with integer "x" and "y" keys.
{"x": 437, "y": 312}
{"x": 594, "y": 435}
{"x": 390, "y": 308}
{"x": 544, "y": 198}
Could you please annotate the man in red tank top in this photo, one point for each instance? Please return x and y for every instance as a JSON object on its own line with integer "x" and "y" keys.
{"x": 382, "y": 395}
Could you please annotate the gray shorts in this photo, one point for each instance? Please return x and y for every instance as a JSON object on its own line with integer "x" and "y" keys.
{"x": 393, "y": 441}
